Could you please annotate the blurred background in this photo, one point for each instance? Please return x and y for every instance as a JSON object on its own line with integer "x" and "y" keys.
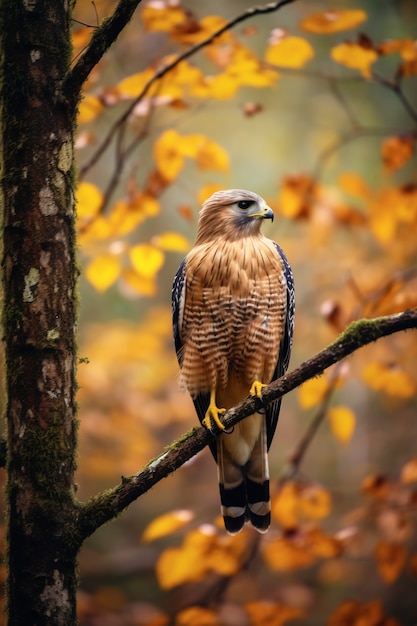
{"x": 327, "y": 136}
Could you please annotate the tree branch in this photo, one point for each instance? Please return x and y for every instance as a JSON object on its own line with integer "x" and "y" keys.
{"x": 103, "y": 37}
{"x": 109, "y": 504}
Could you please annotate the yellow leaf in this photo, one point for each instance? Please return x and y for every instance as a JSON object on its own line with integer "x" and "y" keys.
{"x": 89, "y": 200}
{"x": 169, "y": 159}
{"x": 355, "y": 56}
{"x": 342, "y": 422}
{"x": 315, "y": 502}
{"x": 333, "y": 21}
{"x": 162, "y": 16}
{"x": 135, "y": 284}
{"x": 146, "y": 259}
{"x": 166, "y": 524}
{"x": 171, "y": 241}
{"x": 211, "y": 156}
{"x": 103, "y": 271}
{"x": 409, "y": 472}
{"x": 289, "y": 52}
{"x": 389, "y": 378}
{"x": 132, "y": 86}
{"x": 312, "y": 392}
{"x": 390, "y": 558}
{"x": 194, "y": 615}
{"x": 397, "y": 151}
{"x": 207, "y": 190}
{"x": 90, "y": 108}
{"x": 263, "y": 613}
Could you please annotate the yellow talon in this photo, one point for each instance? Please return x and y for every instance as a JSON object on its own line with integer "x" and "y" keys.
{"x": 256, "y": 389}
{"x": 213, "y": 414}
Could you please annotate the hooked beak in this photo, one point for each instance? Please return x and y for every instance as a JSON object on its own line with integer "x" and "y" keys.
{"x": 265, "y": 213}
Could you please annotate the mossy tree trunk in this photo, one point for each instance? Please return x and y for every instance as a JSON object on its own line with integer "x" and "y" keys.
{"x": 39, "y": 311}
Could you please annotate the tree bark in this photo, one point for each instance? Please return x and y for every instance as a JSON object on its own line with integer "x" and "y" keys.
{"x": 39, "y": 312}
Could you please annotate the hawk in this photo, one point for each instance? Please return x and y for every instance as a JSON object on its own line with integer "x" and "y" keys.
{"x": 233, "y": 318}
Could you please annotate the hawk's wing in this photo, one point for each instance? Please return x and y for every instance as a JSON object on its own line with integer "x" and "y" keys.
{"x": 202, "y": 400}
{"x": 272, "y": 410}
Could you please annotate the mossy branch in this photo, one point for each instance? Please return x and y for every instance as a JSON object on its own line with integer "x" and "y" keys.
{"x": 109, "y": 504}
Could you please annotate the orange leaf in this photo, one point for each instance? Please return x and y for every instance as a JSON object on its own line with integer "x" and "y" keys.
{"x": 289, "y": 51}
{"x": 323, "y": 546}
{"x": 146, "y": 259}
{"x": 390, "y": 558}
{"x": 355, "y": 613}
{"x": 103, "y": 271}
{"x": 333, "y": 21}
{"x": 286, "y": 554}
{"x": 312, "y": 392}
{"x": 284, "y": 506}
{"x": 355, "y": 185}
{"x": 315, "y": 502}
{"x": 295, "y": 195}
{"x": 397, "y": 151}
{"x": 409, "y": 472}
{"x": 342, "y": 422}
{"x": 355, "y": 56}
{"x": 263, "y": 613}
{"x": 194, "y": 615}
{"x": 389, "y": 378}
{"x": 166, "y": 524}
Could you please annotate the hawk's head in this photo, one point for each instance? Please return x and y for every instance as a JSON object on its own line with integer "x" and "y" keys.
{"x": 232, "y": 213}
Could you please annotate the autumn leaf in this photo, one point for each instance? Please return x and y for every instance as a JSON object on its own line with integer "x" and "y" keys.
{"x": 89, "y": 200}
{"x": 315, "y": 502}
{"x": 312, "y": 392}
{"x": 166, "y": 524}
{"x": 168, "y": 157}
{"x": 409, "y": 472}
{"x": 146, "y": 259}
{"x": 333, "y": 21}
{"x": 390, "y": 558}
{"x": 90, "y": 107}
{"x": 286, "y": 554}
{"x": 355, "y": 56}
{"x": 295, "y": 196}
{"x": 172, "y": 242}
{"x": 342, "y": 422}
{"x": 135, "y": 284}
{"x": 211, "y": 156}
{"x": 396, "y": 151}
{"x": 323, "y": 546}
{"x": 355, "y": 613}
{"x": 194, "y": 615}
{"x": 286, "y": 51}
{"x": 162, "y": 16}
{"x": 285, "y": 506}
{"x": 391, "y": 379}
{"x": 263, "y": 613}
{"x": 355, "y": 185}
{"x": 103, "y": 271}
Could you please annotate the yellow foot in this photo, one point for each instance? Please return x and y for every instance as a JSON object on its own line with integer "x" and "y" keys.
{"x": 213, "y": 413}
{"x": 256, "y": 389}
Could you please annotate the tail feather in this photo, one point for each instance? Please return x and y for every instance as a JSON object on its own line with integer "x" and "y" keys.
{"x": 244, "y": 489}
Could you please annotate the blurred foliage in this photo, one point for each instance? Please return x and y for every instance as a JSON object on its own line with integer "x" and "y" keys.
{"x": 314, "y": 108}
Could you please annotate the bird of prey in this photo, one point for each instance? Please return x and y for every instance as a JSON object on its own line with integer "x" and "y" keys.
{"x": 233, "y": 317}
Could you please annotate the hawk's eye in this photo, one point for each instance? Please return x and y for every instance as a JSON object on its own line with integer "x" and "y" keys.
{"x": 244, "y": 204}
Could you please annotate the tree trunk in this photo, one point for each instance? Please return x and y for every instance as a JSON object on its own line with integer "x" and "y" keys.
{"x": 39, "y": 311}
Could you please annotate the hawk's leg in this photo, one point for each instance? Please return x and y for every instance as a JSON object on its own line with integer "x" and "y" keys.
{"x": 213, "y": 413}
{"x": 256, "y": 389}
